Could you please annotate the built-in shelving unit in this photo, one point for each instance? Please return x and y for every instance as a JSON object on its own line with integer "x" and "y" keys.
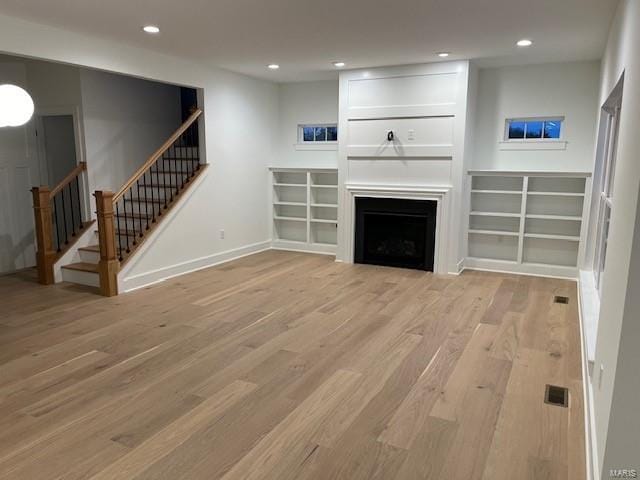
{"x": 527, "y": 222}
{"x": 305, "y": 209}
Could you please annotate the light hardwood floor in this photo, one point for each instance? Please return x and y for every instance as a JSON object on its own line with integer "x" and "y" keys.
{"x": 291, "y": 366}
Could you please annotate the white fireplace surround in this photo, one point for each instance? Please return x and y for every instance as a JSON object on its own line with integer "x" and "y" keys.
{"x": 441, "y": 195}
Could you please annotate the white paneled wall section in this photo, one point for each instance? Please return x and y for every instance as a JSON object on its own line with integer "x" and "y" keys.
{"x": 425, "y": 106}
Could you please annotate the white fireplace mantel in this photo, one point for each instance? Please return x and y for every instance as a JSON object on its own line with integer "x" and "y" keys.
{"x": 439, "y": 194}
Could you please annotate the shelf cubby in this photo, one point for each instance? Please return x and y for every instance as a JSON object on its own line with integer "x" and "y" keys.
{"x": 323, "y": 233}
{"x": 290, "y": 231}
{"x": 549, "y": 251}
{"x": 498, "y": 247}
{"x": 496, "y": 203}
{"x": 556, "y": 185}
{"x": 500, "y": 224}
{"x": 559, "y": 206}
{"x": 509, "y": 184}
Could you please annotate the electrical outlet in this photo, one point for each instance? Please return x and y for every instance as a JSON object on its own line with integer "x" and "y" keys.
{"x": 221, "y": 234}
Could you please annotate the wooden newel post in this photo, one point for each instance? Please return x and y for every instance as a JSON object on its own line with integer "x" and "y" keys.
{"x": 109, "y": 264}
{"x": 45, "y": 254}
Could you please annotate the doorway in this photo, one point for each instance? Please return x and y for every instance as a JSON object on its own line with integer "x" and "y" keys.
{"x": 57, "y": 147}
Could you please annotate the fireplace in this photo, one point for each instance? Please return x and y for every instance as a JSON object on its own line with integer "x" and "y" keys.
{"x": 395, "y": 232}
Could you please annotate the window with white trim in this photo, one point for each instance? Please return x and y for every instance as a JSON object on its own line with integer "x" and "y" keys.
{"x": 533, "y": 129}
{"x": 317, "y": 134}
{"x": 610, "y": 115}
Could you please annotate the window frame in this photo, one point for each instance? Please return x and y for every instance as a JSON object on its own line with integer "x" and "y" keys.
{"x": 605, "y": 190}
{"x": 550, "y": 118}
{"x": 313, "y": 144}
{"x": 302, "y": 126}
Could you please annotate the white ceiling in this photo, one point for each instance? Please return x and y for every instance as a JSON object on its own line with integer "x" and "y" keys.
{"x": 306, "y": 36}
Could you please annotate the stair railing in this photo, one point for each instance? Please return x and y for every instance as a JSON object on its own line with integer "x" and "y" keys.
{"x": 58, "y": 220}
{"x": 126, "y": 216}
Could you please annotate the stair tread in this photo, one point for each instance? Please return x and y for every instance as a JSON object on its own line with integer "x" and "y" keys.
{"x": 90, "y": 248}
{"x": 82, "y": 267}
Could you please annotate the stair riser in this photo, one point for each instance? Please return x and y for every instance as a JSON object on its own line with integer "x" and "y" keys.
{"x": 89, "y": 256}
{"x": 90, "y": 279}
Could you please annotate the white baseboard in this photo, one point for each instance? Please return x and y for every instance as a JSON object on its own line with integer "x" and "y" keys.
{"x": 149, "y": 278}
{"x": 303, "y": 247}
{"x": 531, "y": 269}
{"x": 591, "y": 453}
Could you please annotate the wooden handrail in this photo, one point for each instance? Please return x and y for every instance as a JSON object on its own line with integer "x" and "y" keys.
{"x": 70, "y": 176}
{"x": 158, "y": 153}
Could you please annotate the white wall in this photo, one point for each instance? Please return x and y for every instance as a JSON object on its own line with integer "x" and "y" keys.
{"x": 559, "y": 89}
{"x": 240, "y": 113}
{"x": 616, "y": 392}
{"x": 305, "y": 103}
{"x": 125, "y": 120}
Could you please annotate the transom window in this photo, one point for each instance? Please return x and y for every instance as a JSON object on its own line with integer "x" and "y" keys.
{"x": 542, "y": 128}
{"x": 318, "y": 133}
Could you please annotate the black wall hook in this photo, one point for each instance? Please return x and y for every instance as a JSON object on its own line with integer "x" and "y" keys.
{"x": 390, "y": 135}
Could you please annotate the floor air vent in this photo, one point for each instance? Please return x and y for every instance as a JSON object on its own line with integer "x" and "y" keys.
{"x": 559, "y": 299}
{"x": 558, "y": 396}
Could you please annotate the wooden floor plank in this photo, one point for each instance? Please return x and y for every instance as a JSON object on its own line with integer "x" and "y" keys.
{"x": 286, "y": 365}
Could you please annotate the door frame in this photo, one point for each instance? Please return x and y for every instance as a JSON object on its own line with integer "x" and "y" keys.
{"x": 78, "y": 133}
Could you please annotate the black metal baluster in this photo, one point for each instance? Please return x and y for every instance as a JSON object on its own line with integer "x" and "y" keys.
{"x": 81, "y": 226}
{"x": 140, "y": 205}
{"x": 197, "y": 145}
{"x": 118, "y": 227}
{"x": 175, "y": 168}
{"x": 56, "y": 224}
{"x": 133, "y": 217}
{"x": 189, "y": 156}
{"x": 124, "y": 208}
{"x": 164, "y": 183}
{"x": 73, "y": 217}
{"x": 64, "y": 218}
{"x": 157, "y": 189}
{"x": 150, "y": 187}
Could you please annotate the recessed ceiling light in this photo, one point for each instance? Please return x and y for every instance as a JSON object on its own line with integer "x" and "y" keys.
{"x": 443, "y": 54}
{"x": 273, "y": 66}
{"x": 525, "y": 42}
{"x": 339, "y": 64}
{"x": 151, "y": 29}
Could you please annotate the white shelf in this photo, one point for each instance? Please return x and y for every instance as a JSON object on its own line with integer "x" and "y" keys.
{"x": 291, "y": 204}
{"x": 495, "y": 214}
{"x": 554, "y": 217}
{"x": 552, "y": 237}
{"x": 495, "y": 232}
{"x": 324, "y": 205}
{"x": 527, "y": 222}
{"x": 289, "y": 219}
{"x": 556, "y": 194}
{"x": 323, "y": 220}
{"x": 305, "y": 203}
{"x": 499, "y": 192}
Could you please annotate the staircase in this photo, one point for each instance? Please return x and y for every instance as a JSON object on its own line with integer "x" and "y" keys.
{"x": 127, "y": 218}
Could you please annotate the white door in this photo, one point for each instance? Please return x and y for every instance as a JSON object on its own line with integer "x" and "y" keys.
{"x": 18, "y": 173}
